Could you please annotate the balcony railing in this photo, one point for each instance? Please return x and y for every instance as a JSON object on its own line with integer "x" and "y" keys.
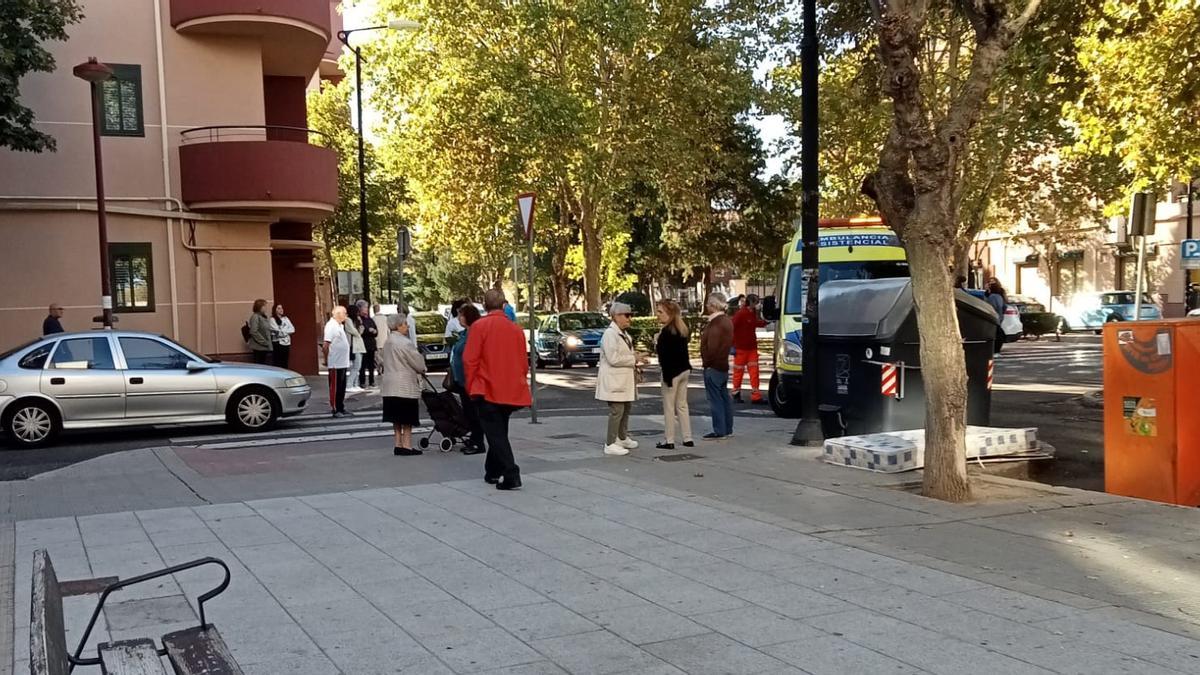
{"x": 260, "y": 132}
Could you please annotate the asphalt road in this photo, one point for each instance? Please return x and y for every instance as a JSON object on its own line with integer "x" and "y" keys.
{"x": 1040, "y": 384}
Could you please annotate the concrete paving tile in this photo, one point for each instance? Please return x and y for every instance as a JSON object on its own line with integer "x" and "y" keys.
{"x": 402, "y": 595}
{"x": 829, "y": 580}
{"x": 714, "y": 654}
{"x": 1080, "y": 658}
{"x": 157, "y": 521}
{"x": 476, "y": 650}
{"x": 483, "y": 588}
{"x": 755, "y": 626}
{"x": 673, "y": 555}
{"x": 727, "y": 576}
{"x": 236, "y": 532}
{"x": 658, "y": 669}
{"x": 917, "y": 646}
{"x": 348, "y": 614}
{"x": 313, "y": 665}
{"x": 438, "y": 618}
{"x": 793, "y": 601}
{"x": 274, "y": 643}
{"x": 33, "y": 534}
{"x": 595, "y": 596}
{"x": 1151, "y": 644}
{"x": 595, "y": 653}
{"x": 179, "y": 537}
{"x": 832, "y": 655}
{"x": 107, "y": 529}
{"x": 794, "y": 542}
{"x": 381, "y": 648}
{"x": 760, "y": 557}
{"x": 642, "y": 624}
{"x": 130, "y": 614}
{"x": 539, "y": 668}
{"x": 210, "y": 512}
{"x": 540, "y": 621}
{"x": 705, "y": 539}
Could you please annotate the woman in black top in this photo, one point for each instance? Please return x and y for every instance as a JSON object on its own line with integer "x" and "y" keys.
{"x": 676, "y": 365}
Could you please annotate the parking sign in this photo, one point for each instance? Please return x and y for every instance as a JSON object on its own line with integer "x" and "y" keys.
{"x": 1190, "y": 254}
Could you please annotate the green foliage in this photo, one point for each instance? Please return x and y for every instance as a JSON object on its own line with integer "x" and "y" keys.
{"x": 639, "y": 302}
{"x": 340, "y": 234}
{"x": 24, "y": 25}
{"x": 577, "y": 99}
{"x": 1142, "y": 104}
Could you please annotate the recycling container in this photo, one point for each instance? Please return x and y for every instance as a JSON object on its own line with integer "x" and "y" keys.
{"x": 869, "y": 367}
{"x": 1152, "y": 410}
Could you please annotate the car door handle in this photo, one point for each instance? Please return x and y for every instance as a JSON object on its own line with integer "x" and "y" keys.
{"x": 58, "y": 380}
{"x": 136, "y": 380}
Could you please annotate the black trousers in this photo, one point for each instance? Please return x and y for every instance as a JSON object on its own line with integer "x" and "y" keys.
{"x": 263, "y": 357}
{"x": 499, "y": 462}
{"x": 282, "y": 355}
{"x": 337, "y": 389}
{"x": 471, "y": 412}
{"x": 367, "y": 374}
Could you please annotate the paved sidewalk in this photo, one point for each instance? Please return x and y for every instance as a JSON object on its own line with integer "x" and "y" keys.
{"x": 752, "y": 558}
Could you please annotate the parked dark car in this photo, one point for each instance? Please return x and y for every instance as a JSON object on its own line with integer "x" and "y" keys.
{"x": 1035, "y": 320}
{"x": 570, "y": 338}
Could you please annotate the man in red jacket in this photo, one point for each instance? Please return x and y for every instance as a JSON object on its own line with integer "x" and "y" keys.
{"x": 497, "y": 368}
{"x": 745, "y": 348}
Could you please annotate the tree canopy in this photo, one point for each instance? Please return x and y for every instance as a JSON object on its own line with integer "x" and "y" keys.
{"x": 24, "y": 26}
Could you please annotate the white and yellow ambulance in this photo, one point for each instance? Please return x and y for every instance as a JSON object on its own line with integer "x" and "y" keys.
{"x": 851, "y": 248}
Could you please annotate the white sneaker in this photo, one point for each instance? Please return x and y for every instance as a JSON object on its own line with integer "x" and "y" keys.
{"x": 627, "y": 443}
{"x": 616, "y": 449}
{"x": 354, "y": 390}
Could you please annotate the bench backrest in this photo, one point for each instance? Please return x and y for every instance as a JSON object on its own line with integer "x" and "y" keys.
{"x": 47, "y": 633}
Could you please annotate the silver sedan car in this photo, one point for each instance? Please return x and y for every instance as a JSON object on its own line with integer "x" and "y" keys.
{"x": 98, "y": 379}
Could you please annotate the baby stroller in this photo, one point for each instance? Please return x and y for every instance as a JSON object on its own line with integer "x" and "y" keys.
{"x": 448, "y": 418}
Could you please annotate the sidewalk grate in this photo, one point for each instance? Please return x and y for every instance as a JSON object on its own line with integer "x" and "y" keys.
{"x": 678, "y": 457}
{"x": 563, "y": 437}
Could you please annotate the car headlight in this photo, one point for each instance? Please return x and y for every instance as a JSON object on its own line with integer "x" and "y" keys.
{"x": 790, "y": 353}
{"x": 295, "y": 382}
{"x": 572, "y": 341}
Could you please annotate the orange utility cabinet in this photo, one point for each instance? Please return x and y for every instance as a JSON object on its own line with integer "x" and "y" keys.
{"x": 1152, "y": 410}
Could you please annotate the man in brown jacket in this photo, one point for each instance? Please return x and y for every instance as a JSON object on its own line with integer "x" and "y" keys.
{"x": 715, "y": 342}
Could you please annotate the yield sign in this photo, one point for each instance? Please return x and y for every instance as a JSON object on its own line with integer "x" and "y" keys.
{"x": 525, "y": 204}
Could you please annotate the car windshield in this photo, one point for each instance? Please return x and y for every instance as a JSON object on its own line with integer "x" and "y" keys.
{"x": 868, "y": 269}
{"x": 582, "y": 321}
{"x": 430, "y": 324}
{"x": 1124, "y": 299}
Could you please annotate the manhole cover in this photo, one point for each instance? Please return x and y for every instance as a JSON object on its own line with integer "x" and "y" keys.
{"x": 562, "y": 437}
{"x": 644, "y": 432}
{"x": 678, "y": 457}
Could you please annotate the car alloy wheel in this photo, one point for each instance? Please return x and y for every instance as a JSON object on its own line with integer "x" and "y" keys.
{"x": 254, "y": 410}
{"x": 32, "y": 425}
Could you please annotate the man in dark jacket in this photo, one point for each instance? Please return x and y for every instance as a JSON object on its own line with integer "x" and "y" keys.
{"x": 53, "y": 324}
{"x": 715, "y": 342}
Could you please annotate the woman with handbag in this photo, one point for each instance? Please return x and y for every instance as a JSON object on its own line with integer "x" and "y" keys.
{"x": 616, "y": 382}
{"x": 676, "y": 365}
{"x": 401, "y": 367}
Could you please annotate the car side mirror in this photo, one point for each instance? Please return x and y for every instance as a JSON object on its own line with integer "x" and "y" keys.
{"x": 196, "y": 366}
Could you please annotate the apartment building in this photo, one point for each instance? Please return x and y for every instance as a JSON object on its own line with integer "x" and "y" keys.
{"x": 213, "y": 179}
{"x": 1053, "y": 265}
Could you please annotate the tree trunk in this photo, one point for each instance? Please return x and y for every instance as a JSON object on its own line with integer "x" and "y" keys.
{"x": 593, "y": 250}
{"x": 962, "y": 259}
{"x": 942, "y": 370}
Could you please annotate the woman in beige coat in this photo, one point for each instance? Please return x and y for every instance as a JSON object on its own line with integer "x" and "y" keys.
{"x": 401, "y": 367}
{"x": 616, "y": 382}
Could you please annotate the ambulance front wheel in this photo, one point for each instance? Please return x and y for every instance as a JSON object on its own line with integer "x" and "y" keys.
{"x": 785, "y": 401}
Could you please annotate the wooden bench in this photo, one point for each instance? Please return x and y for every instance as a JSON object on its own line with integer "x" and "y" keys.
{"x": 192, "y": 651}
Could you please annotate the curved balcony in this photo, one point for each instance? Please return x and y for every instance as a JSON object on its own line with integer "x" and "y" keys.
{"x": 294, "y": 33}
{"x": 265, "y": 170}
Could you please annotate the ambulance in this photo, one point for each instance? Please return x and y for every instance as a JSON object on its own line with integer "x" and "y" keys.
{"x": 851, "y": 248}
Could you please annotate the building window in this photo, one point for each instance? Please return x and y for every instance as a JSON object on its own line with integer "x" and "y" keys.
{"x": 131, "y": 271}
{"x": 1070, "y": 273}
{"x": 121, "y": 102}
{"x": 1126, "y": 272}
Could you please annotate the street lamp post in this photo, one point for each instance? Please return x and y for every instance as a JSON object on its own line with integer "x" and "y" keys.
{"x": 364, "y": 239}
{"x": 95, "y": 73}
{"x": 808, "y": 431}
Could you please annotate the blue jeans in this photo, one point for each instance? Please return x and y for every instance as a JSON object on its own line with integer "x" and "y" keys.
{"x": 719, "y": 400}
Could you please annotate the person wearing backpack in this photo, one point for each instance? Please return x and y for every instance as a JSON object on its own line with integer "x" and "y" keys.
{"x": 259, "y": 329}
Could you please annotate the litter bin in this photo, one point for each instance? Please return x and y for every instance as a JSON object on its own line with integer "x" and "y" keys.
{"x": 870, "y": 361}
{"x": 1151, "y": 423}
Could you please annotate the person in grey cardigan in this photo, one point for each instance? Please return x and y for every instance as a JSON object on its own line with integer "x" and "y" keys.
{"x": 260, "y": 333}
{"x": 401, "y": 367}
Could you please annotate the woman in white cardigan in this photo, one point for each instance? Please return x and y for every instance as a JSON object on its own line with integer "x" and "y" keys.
{"x": 401, "y": 367}
{"x": 616, "y": 383}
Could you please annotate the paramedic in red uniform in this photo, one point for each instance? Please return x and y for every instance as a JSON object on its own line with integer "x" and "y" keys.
{"x": 745, "y": 348}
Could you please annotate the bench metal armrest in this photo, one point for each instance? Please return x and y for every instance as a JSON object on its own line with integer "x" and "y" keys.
{"x": 76, "y": 658}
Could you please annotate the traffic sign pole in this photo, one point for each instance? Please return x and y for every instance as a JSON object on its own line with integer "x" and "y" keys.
{"x": 526, "y": 202}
